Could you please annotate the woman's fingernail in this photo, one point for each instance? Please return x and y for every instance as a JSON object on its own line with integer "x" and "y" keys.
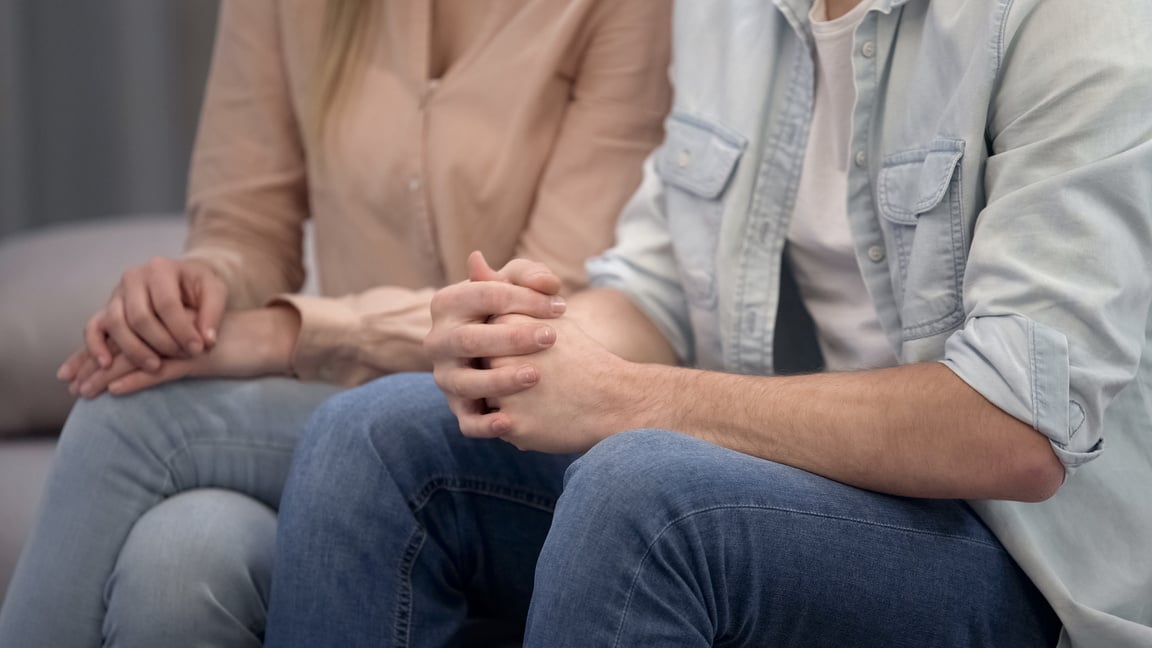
{"x": 152, "y": 364}
{"x": 62, "y": 372}
{"x": 500, "y": 426}
{"x": 558, "y": 305}
{"x": 545, "y": 336}
{"x": 103, "y": 361}
{"x": 527, "y": 375}
{"x": 195, "y": 347}
{"x": 210, "y": 335}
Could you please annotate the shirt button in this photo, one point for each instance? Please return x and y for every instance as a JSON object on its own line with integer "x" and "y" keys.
{"x": 429, "y": 90}
{"x": 876, "y": 254}
{"x": 414, "y": 184}
{"x": 861, "y": 158}
{"x": 684, "y": 159}
{"x": 868, "y": 49}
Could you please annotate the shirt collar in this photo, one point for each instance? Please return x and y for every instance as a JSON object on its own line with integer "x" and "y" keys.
{"x": 797, "y": 10}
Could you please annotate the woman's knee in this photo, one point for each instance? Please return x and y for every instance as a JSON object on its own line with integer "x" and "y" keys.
{"x": 117, "y": 428}
{"x": 199, "y": 562}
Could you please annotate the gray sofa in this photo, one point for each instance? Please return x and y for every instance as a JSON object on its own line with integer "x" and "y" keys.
{"x": 51, "y": 281}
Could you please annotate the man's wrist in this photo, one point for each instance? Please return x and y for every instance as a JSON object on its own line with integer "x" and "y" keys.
{"x": 642, "y": 396}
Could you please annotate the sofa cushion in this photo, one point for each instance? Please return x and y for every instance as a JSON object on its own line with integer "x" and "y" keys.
{"x": 51, "y": 281}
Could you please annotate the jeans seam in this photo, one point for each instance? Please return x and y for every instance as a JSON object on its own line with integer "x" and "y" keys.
{"x": 402, "y": 625}
{"x": 480, "y": 487}
{"x": 779, "y": 509}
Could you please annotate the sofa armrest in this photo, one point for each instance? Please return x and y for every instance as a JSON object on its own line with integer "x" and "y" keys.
{"x": 51, "y": 281}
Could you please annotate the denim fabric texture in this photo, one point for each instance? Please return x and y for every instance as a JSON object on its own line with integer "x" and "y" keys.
{"x": 1000, "y": 200}
{"x": 394, "y": 529}
{"x": 85, "y": 576}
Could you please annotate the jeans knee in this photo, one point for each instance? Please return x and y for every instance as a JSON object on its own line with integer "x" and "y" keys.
{"x": 399, "y": 425}
{"x": 639, "y": 472}
{"x": 391, "y": 415}
{"x": 195, "y": 569}
{"x": 108, "y": 426}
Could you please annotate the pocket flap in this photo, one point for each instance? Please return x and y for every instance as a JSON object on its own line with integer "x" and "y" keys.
{"x": 914, "y": 181}
{"x": 697, "y": 156}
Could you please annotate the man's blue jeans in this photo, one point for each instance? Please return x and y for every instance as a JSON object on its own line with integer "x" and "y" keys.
{"x": 397, "y": 531}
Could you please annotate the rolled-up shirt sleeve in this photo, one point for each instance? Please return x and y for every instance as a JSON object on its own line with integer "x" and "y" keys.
{"x": 642, "y": 265}
{"x": 1023, "y": 367}
{"x": 1058, "y": 283}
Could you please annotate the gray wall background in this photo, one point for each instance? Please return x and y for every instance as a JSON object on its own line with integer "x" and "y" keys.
{"x": 98, "y": 106}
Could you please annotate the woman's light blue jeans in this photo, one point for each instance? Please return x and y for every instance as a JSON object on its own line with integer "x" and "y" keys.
{"x": 397, "y": 531}
{"x": 129, "y": 549}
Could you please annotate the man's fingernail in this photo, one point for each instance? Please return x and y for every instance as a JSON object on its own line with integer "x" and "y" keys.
{"x": 210, "y": 335}
{"x": 62, "y": 372}
{"x": 104, "y": 361}
{"x": 558, "y": 305}
{"x": 194, "y": 346}
{"x": 545, "y": 336}
{"x": 115, "y": 386}
{"x": 152, "y": 364}
{"x": 527, "y": 375}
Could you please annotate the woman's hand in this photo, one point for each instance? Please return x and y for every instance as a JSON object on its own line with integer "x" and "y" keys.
{"x": 251, "y": 343}
{"x": 166, "y": 308}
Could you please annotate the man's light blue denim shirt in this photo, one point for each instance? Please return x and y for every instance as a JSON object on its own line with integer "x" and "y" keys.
{"x": 1000, "y": 198}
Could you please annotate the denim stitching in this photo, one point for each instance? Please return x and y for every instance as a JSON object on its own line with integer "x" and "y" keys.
{"x": 1034, "y": 375}
{"x": 480, "y": 487}
{"x": 402, "y": 624}
{"x": 780, "y": 509}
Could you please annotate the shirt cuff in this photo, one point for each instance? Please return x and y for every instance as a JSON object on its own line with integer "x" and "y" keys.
{"x": 1022, "y": 367}
{"x": 326, "y": 349}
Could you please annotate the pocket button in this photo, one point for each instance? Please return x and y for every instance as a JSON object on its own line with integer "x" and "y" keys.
{"x": 876, "y": 254}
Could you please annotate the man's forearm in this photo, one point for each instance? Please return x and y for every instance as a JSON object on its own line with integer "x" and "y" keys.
{"x": 609, "y": 317}
{"x": 916, "y": 430}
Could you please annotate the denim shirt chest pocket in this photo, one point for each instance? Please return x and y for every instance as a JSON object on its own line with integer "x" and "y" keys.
{"x": 696, "y": 164}
{"x": 919, "y": 199}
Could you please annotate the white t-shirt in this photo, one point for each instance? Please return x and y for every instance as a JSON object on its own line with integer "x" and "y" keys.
{"x": 820, "y": 242}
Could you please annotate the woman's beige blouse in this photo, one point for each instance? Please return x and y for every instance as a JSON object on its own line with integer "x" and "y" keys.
{"x": 528, "y": 145}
